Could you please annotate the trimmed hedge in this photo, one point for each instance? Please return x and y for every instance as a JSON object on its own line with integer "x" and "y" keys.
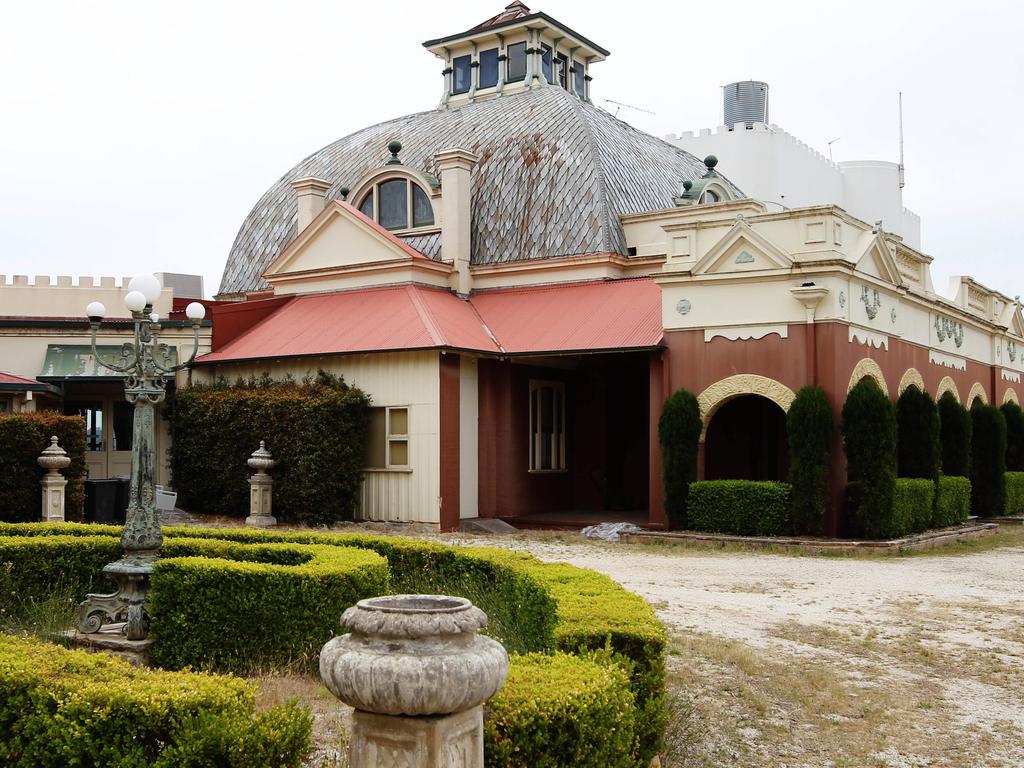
{"x": 23, "y": 436}
{"x": 547, "y": 607}
{"x": 319, "y": 467}
{"x": 953, "y": 502}
{"x": 560, "y": 711}
{"x": 810, "y": 424}
{"x": 1015, "y": 493}
{"x": 913, "y": 505}
{"x": 918, "y": 452}
{"x": 60, "y": 707}
{"x": 869, "y": 440}
{"x": 679, "y": 431}
{"x": 955, "y": 436}
{"x": 1014, "y": 436}
{"x": 988, "y": 461}
{"x": 740, "y": 507}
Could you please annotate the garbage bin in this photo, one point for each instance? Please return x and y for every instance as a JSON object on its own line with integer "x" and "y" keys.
{"x": 101, "y": 502}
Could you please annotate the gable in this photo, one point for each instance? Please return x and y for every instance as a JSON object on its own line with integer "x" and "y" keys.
{"x": 879, "y": 262}
{"x": 742, "y": 249}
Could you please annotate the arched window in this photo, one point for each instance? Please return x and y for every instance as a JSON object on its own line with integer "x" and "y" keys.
{"x": 711, "y": 197}
{"x": 398, "y": 204}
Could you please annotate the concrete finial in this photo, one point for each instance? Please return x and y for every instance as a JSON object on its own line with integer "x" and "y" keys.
{"x": 54, "y": 458}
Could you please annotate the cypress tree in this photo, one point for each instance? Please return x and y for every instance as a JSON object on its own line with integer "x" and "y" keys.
{"x": 917, "y": 431}
{"x": 955, "y": 429}
{"x": 869, "y": 440}
{"x": 1014, "y": 436}
{"x": 809, "y": 426}
{"x": 679, "y": 431}
{"x": 988, "y": 461}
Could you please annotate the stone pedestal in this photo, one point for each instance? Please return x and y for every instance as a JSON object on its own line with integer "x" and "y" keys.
{"x": 444, "y": 741}
{"x": 53, "y": 459}
{"x": 261, "y": 489}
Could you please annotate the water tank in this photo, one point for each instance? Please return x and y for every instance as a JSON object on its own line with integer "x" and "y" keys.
{"x": 746, "y": 102}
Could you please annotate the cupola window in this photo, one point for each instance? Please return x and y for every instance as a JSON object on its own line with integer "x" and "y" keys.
{"x": 563, "y": 66}
{"x": 398, "y": 204}
{"x": 579, "y": 74}
{"x": 462, "y": 74}
{"x": 545, "y": 63}
{"x": 489, "y": 68}
{"x": 516, "y": 62}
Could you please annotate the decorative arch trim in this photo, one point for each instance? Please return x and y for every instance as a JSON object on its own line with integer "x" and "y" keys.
{"x": 947, "y": 385}
{"x": 1010, "y": 396}
{"x": 868, "y": 368}
{"x": 721, "y": 392}
{"x": 977, "y": 391}
{"x": 912, "y": 378}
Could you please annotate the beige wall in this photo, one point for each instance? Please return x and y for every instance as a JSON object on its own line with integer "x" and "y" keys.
{"x": 65, "y": 296}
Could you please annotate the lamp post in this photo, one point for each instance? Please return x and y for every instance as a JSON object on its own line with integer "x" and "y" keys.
{"x": 145, "y": 363}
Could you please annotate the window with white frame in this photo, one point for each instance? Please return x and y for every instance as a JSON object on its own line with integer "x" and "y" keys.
{"x": 547, "y": 426}
{"x": 398, "y": 204}
{"x": 387, "y": 440}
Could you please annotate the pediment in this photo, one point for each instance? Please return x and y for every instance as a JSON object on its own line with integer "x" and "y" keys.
{"x": 340, "y": 237}
{"x": 742, "y": 249}
{"x": 878, "y": 261}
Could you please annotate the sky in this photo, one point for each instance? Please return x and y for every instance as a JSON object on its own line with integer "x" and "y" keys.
{"x": 136, "y": 135}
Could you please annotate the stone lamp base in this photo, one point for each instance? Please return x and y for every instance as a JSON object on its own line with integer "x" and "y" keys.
{"x": 440, "y": 741}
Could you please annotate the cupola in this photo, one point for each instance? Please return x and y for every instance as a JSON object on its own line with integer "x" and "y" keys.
{"x": 514, "y": 51}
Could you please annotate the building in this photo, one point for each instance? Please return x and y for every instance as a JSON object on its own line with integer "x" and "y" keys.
{"x": 519, "y": 279}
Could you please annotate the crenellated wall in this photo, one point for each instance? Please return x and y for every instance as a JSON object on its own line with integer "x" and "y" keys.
{"x": 66, "y": 296}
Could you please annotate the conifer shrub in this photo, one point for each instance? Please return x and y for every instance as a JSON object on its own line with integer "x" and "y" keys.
{"x": 1014, "y": 436}
{"x": 316, "y": 431}
{"x": 23, "y": 436}
{"x": 1015, "y": 493}
{"x": 919, "y": 452}
{"x": 868, "y": 426}
{"x": 988, "y": 461}
{"x": 810, "y": 424}
{"x": 679, "y": 431}
{"x": 953, "y": 503}
{"x": 955, "y": 436}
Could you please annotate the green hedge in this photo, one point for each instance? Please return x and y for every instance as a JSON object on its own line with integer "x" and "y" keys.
{"x": 913, "y": 505}
{"x": 319, "y": 470}
{"x": 60, "y": 707}
{"x": 560, "y": 711}
{"x": 741, "y": 507}
{"x": 953, "y": 503}
{"x": 869, "y": 440}
{"x": 810, "y": 423}
{"x": 1014, "y": 436}
{"x": 918, "y": 452}
{"x": 533, "y": 606}
{"x": 23, "y": 436}
{"x": 955, "y": 436}
{"x": 988, "y": 461}
{"x": 679, "y": 431}
{"x": 1015, "y": 493}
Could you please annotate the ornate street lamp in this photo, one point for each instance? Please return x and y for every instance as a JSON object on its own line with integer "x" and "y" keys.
{"x": 145, "y": 363}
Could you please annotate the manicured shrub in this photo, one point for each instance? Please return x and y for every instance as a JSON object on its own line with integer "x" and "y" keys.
{"x": 810, "y": 423}
{"x": 988, "y": 461}
{"x": 1014, "y": 493}
{"x": 1014, "y": 417}
{"x": 955, "y": 436}
{"x": 913, "y": 505}
{"x": 869, "y": 441}
{"x": 61, "y": 707}
{"x": 23, "y": 436}
{"x": 953, "y": 503}
{"x": 316, "y": 431}
{"x": 740, "y": 507}
{"x": 679, "y": 431}
{"x": 919, "y": 452}
{"x": 561, "y": 711}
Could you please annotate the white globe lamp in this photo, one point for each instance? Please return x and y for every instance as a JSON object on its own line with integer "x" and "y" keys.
{"x": 95, "y": 311}
{"x": 195, "y": 311}
{"x": 148, "y": 286}
{"x": 135, "y": 301}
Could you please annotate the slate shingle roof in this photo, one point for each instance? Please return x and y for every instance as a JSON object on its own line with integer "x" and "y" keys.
{"x": 554, "y": 175}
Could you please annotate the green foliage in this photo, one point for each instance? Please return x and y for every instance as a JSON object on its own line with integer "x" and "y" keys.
{"x": 1014, "y": 436}
{"x": 955, "y": 436}
{"x": 988, "y": 461}
{"x": 1015, "y": 493}
{"x": 60, "y": 707}
{"x": 679, "y": 433}
{"x": 319, "y": 467}
{"x": 561, "y": 711}
{"x": 953, "y": 503}
{"x": 740, "y": 507}
{"x": 810, "y": 423}
{"x": 919, "y": 452}
{"x": 23, "y": 436}
{"x": 913, "y": 505}
{"x": 869, "y": 440}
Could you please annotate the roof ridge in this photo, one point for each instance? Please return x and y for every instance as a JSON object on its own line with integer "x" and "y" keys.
{"x": 424, "y": 314}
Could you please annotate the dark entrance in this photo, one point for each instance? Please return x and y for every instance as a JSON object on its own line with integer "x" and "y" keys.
{"x": 746, "y": 440}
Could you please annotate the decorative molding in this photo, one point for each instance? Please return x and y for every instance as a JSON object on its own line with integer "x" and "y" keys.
{"x": 842, "y": 299}
{"x": 1010, "y": 376}
{"x": 1011, "y": 350}
{"x": 912, "y": 378}
{"x": 947, "y": 328}
{"x": 868, "y": 338}
{"x": 947, "y": 385}
{"x": 1009, "y": 396}
{"x": 721, "y": 392}
{"x": 746, "y": 332}
{"x": 871, "y": 302}
{"x": 683, "y": 306}
{"x": 947, "y": 361}
{"x": 977, "y": 391}
{"x": 744, "y": 257}
{"x": 865, "y": 368}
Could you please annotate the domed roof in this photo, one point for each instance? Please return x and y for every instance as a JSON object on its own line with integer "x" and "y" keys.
{"x": 554, "y": 175}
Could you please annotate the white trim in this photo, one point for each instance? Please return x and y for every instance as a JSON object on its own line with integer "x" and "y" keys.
{"x": 1010, "y": 376}
{"x": 746, "y": 332}
{"x": 947, "y": 361}
{"x": 868, "y": 338}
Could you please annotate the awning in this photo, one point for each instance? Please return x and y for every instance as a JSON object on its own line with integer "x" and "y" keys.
{"x": 11, "y": 383}
{"x": 73, "y": 361}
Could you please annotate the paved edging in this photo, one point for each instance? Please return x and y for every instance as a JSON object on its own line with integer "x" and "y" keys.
{"x": 917, "y": 543}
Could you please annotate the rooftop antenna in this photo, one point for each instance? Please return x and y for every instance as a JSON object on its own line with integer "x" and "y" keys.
{"x": 903, "y": 179}
{"x": 619, "y": 105}
{"x": 837, "y": 138}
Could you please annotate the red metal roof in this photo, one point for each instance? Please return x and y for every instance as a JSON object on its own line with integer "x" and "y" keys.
{"x": 581, "y": 317}
{"x": 10, "y": 378}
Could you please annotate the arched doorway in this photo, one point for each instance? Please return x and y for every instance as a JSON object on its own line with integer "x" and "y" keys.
{"x": 746, "y": 440}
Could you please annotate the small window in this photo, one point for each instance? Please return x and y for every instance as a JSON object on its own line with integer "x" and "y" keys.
{"x": 547, "y": 426}
{"x": 516, "y": 62}
{"x": 422, "y": 212}
{"x": 387, "y": 443}
{"x": 461, "y": 74}
{"x": 579, "y": 74}
{"x": 92, "y": 412}
{"x": 545, "y": 63}
{"x": 563, "y": 70}
{"x": 366, "y": 208}
{"x": 711, "y": 197}
{"x": 396, "y": 202}
{"x": 488, "y": 68}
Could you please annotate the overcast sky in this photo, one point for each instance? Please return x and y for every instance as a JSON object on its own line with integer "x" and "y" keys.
{"x": 137, "y": 135}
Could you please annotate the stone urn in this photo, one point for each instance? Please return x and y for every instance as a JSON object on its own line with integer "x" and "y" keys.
{"x": 414, "y": 655}
{"x": 54, "y": 458}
